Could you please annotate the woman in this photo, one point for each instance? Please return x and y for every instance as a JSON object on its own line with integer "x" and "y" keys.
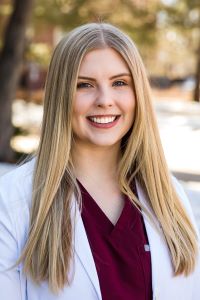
{"x": 96, "y": 215}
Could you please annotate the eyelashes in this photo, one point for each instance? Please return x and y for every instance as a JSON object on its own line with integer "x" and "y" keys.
{"x": 119, "y": 83}
{"x": 85, "y": 85}
{"x": 82, "y": 85}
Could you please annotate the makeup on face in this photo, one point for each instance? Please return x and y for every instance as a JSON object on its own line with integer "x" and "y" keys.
{"x": 104, "y": 103}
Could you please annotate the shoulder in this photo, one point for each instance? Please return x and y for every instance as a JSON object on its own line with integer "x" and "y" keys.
{"x": 23, "y": 171}
{"x": 184, "y": 200}
{"x": 16, "y": 190}
{"x": 15, "y": 200}
{"x": 18, "y": 181}
{"x": 181, "y": 193}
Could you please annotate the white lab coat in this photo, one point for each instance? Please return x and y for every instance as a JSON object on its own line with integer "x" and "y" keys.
{"x": 15, "y": 199}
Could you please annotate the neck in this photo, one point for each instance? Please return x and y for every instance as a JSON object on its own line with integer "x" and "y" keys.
{"x": 97, "y": 163}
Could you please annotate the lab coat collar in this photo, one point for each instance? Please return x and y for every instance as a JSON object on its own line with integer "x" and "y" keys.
{"x": 83, "y": 250}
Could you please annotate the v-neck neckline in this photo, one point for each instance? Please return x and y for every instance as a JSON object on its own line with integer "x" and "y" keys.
{"x": 126, "y": 218}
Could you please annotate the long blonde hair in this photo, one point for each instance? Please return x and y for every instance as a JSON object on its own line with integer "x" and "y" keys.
{"x": 48, "y": 252}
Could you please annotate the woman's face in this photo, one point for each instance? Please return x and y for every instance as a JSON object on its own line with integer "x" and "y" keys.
{"x": 104, "y": 102}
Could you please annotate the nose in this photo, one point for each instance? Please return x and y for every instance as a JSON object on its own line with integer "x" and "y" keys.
{"x": 104, "y": 97}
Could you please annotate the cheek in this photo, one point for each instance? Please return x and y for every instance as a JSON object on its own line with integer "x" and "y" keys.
{"x": 129, "y": 109}
{"x": 132, "y": 102}
{"x": 128, "y": 104}
{"x": 81, "y": 106}
{"x": 131, "y": 106}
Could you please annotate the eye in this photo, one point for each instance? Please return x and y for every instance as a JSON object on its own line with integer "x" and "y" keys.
{"x": 83, "y": 85}
{"x": 119, "y": 83}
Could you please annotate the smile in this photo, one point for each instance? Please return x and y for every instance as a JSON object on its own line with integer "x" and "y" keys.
{"x": 103, "y": 122}
{"x": 103, "y": 119}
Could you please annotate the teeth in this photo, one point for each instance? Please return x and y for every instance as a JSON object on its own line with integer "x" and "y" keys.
{"x": 102, "y": 120}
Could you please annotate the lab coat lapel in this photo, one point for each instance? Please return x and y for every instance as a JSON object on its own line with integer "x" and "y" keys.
{"x": 83, "y": 250}
{"x": 165, "y": 286}
{"x": 160, "y": 259}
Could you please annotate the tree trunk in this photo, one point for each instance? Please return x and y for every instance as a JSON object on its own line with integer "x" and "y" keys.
{"x": 197, "y": 78}
{"x": 11, "y": 58}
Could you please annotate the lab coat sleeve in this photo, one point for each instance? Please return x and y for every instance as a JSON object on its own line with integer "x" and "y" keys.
{"x": 10, "y": 283}
{"x": 183, "y": 196}
{"x": 196, "y": 290}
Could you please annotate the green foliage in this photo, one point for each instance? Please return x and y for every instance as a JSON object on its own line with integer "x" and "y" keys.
{"x": 40, "y": 53}
{"x": 152, "y": 25}
{"x": 5, "y": 9}
{"x": 184, "y": 14}
{"x": 138, "y": 21}
{"x": 184, "y": 17}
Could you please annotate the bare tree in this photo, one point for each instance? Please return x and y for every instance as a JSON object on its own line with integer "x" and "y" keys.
{"x": 11, "y": 58}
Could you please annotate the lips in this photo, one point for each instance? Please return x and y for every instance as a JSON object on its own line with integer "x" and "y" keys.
{"x": 103, "y": 121}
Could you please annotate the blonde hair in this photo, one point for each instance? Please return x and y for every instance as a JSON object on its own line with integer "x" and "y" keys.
{"x": 48, "y": 252}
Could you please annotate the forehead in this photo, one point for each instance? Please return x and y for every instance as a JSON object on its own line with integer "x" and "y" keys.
{"x": 104, "y": 60}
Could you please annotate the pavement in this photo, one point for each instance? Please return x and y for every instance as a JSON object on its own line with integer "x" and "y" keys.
{"x": 179, "y": 125}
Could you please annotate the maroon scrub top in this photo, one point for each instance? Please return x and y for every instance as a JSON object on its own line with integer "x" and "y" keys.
{"x": 121, "y": 252}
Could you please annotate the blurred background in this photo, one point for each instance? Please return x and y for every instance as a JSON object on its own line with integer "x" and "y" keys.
{"x": 167, "y": 33}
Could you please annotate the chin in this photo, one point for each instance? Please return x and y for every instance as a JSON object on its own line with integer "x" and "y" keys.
{"x": 106, "y": 143}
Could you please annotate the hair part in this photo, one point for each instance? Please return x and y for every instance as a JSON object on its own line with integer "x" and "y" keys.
{"x": 48, "y": 252}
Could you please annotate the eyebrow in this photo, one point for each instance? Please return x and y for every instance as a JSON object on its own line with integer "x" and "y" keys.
{"x": 112, "y": 77}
